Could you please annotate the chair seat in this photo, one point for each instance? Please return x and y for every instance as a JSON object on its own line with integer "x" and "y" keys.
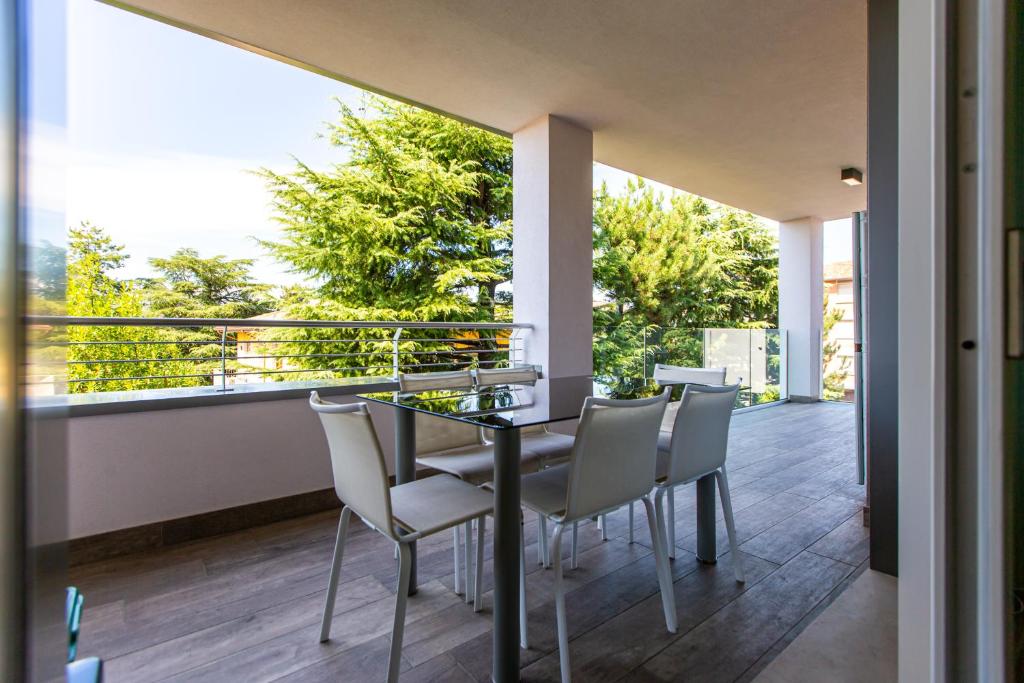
{"x": 437, "y": 503}
{"x": 545, "y": 491}
{"x": 474, "y": 464}
{"x": 548, "y": 446}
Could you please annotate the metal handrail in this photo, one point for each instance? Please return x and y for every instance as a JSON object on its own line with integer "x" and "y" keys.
{"x": 249, "y": 323}
{"x": 230, "y": 349}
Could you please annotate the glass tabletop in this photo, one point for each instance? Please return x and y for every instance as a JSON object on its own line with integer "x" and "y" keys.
{"x": 511, "y": 406}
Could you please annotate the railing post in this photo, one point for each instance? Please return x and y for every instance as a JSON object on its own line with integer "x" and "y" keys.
{"x": 395, "y": 366}
{"x": 224, "y": 359}
{"x": 512, "y": 338}
{"x": 645, "y": 351}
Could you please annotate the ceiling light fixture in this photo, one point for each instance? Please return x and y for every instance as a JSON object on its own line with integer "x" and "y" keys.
{"x": 852, "y": 176}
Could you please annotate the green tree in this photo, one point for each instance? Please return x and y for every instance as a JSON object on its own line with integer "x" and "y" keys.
{"x": 671, "y": 267}
{"x": 655, "y": 264}
{"x": 748, "y": 283}
{"x": 836, "y": 369}
{"x": 49, "y": 271}
{"x": 194, "y": 287}
{"x": 417, "y": 219}
{"x": 117, "y": 357}
{"x": 414, "y": 225}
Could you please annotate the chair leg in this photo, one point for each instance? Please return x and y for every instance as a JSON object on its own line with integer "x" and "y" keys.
{"x": 668, "y": 598}
{"x": 457, "y": 540}
{"x": 398, "y": 630}
{"x": 563, "y": 628}
{"x": 574, "y": 559}
{"x": 478, "y": 581}
{"x": 469, "y": 561}
{"x": 730, "y": 524}
{"x": 332, "y": 583}
{"x": 659, "y": 517}
{"x": 671, "y": 535}
{"x": 543, "y": 558}
{"x": 604, "y": 527}
{"x": 631, "y": 523}
{"x": 523, "y": 640}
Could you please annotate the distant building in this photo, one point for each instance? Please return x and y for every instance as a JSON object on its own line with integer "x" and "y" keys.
{"x": 839, "y": 291}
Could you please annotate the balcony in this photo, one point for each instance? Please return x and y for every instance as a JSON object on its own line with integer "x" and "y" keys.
{"x": 245, "y": 605}
{"x": 204, "y": 553}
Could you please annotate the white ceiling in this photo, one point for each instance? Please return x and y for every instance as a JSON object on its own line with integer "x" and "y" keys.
{"x": 754, "y": 103}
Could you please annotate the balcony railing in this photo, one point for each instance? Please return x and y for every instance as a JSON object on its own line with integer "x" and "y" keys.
{"x": 76, "y": 355}
{"x": 754, "y": 358}
{"x": 85, "y": 355}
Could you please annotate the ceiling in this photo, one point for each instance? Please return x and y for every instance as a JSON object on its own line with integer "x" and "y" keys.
{"x": 755, "y": 104}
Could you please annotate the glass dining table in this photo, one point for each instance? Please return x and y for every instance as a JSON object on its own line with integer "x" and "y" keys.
{"x": 506, "y": 409}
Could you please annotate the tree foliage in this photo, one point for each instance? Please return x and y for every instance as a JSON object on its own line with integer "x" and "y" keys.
{"x": 417, "y": 219}
{"x": 836, "y": 368}
{"x": 415, "y": 225}
{"x": 669, "y": 267}
{"x": 194, "y": 287}
{"x": 117, "y": 357}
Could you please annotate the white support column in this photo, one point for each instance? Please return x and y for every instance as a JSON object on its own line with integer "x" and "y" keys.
{"x": 552, "y": 246}
{"x": 801, "y": 303}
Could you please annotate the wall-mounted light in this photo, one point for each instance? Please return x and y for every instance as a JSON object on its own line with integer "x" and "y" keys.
{"x": 852, "y": 176}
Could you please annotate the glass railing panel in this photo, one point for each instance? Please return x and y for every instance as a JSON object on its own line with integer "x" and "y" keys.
{"x": 753, "y": 358}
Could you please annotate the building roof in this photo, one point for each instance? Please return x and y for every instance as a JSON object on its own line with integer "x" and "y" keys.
{"x": 838, "y": 271}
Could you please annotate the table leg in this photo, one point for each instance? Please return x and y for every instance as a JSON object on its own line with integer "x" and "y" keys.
{"x": 707, "y": 551}
{"x": 506, "y": 555}
{"x": 405, "y": 467}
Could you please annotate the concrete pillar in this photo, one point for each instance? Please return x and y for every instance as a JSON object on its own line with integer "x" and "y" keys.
{"x": 552, "y": 245}
{"x": 801, "y": 300}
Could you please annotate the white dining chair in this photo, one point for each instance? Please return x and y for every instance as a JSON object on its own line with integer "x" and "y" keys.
{"x": 402, "y": 513}
{"x": 678, "y": 374}
{"x": 613, "y": 463}
{"x": 458, "y": 449}
{"x": 695, "y": 448}
{"x": 681, "y": 374}
{"x": 550, "y": 447}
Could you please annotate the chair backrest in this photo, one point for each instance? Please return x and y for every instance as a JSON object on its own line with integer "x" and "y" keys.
{"x": 679, "y": 373}
{"x": 440, "y": 434}
{"x": 700, "y": 434}
{"x": 425, "y": 381}
{"x": 360, "y": 475}
{"x": 614, "y": 457}
{"x": 486, "y": 377}
{"x": 436, "y": 433}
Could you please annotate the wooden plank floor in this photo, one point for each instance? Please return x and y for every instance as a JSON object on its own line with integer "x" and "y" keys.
{"x": 246, "y": 606}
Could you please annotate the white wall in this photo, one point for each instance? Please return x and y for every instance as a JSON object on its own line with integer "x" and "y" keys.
{"x": 801, "y": 302}
{"x": 136, "y": 468}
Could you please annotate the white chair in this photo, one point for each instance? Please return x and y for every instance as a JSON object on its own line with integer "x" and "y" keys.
{"x": 458, "y": 449}
{"x": 695, "y": 448}
{"x": 678, "y": 374}
{"x": 613, "y": 463}
{"x": 684, "y": 375}
{"x": 403, "y": 513}
{"x": 550, "y": 447}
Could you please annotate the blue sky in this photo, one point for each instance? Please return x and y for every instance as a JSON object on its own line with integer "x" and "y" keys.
{"x": 151, "y": 131}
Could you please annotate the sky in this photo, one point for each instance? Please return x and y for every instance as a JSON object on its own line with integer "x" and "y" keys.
{"x": 153, "y": 133}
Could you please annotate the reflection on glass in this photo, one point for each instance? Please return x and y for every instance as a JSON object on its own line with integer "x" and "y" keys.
{"x": 521, "y": 405}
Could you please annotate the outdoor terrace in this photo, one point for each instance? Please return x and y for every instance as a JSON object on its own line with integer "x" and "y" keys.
{"x": 246, "y": 605}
